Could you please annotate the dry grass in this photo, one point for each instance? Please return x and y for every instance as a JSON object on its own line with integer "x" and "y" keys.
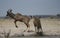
{"x": 50, "y": 26}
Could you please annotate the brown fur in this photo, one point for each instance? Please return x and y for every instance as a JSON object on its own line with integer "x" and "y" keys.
{"x": 37, "y": 23}
{"x": 25, "y": 19}
{"x": 19, "y": 17}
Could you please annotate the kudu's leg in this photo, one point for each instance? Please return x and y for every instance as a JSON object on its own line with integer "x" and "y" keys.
{"x": 15, "y": 24}
{"x": 40, "y": 32}
{"x": 27, "y": 30}
{"x": 35, "y": 29}
{"x": 40, "y": 29}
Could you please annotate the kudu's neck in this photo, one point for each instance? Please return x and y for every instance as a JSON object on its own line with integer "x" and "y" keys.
{"x": 11, "y": 15}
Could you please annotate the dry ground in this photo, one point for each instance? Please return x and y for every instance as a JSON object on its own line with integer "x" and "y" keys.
{"x": 49, "y": 26}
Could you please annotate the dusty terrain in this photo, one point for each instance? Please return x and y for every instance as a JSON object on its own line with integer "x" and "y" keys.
{"x": 49, "y": 26}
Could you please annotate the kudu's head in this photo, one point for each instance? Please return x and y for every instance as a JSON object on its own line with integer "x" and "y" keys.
{"x": 8, "y": 12}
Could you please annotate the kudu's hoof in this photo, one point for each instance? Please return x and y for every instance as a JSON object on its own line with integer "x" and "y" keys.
{"x": 40, "y": 33}
{"x": 16, "y": 26}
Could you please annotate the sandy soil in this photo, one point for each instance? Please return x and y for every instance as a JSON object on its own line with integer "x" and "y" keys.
{"x": 49, "y": 26}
